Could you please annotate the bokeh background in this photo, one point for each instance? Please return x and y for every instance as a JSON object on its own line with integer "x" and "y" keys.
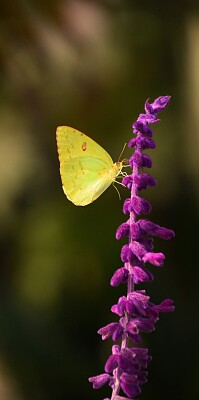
{"x": 92, "y": 65}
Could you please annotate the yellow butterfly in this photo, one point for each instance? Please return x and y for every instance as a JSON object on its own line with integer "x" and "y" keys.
{"x": 86, "y": 168}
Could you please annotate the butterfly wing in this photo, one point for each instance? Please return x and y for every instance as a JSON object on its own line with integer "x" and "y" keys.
{"x": 84, "y": 179}
{"x": 72, "y": 143}
{"x": 84, "y": 166}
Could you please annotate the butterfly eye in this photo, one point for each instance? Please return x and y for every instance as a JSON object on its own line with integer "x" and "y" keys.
{"x": 125, "y": 161}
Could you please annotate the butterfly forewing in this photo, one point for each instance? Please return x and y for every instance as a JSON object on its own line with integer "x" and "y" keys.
{"x": 72, "y": 143}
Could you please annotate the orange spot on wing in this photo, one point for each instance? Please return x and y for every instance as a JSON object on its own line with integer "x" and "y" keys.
{"x": 84, "y": 146}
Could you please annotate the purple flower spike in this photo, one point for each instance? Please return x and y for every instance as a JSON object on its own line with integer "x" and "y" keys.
{"x": 126, "y": 368}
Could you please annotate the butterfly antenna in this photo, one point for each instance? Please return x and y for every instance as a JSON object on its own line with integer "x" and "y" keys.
{"x": 122, "y": 151}
{"x": 117, "y": 190}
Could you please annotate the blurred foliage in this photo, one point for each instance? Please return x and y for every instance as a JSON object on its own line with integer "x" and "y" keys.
{"x": 91, "y": 65}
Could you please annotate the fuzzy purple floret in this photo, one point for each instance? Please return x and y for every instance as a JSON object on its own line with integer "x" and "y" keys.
{"x": 126, "y": 367}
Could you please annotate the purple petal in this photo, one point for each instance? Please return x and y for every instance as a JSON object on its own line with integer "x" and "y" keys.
{"x": 111, "y": 363}
{"x": 99, "y": 380}
{"x": 136, "y": 231}
{"x": 154, "y": 259}
{"x": 145, "y": 143}
{"x": 143, "y": 181}
{"x": 141, "y": 127}
{"x": 137, "y": 303}
{"x": 144, "y": 324}
{"x": 130, "y": 385}
{"x": 167, "y": 305}
{"x": 153, "y": 229}
{"x": 127, "y": 181}
{"x": 141, "y": 356}
{"x": 127, "y": 204}
{"x": 132, "y": 327}
{"x": 140, "y": 205}
{"x": 141, "y": 275}
{"x": 113, "y": 329}
{"x": 158, "y": 105}
{"x": 120, "y": 307}
{"x": 142, "y": 377}
{"x": 126, "y": 253}
{"x": 116, "y": 349}
{"x": 148, "y": 118}
{"x": 138, "y": 249}
{"x": 122, "y": 231}
{"x": 120, "y": 276}
{"x": 132, "y": 143}
{"x": 140, "y": 160}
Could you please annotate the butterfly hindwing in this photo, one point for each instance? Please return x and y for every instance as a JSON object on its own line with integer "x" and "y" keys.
{"x": 84, "y": 179}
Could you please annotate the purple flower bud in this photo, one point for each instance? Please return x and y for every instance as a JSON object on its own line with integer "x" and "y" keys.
{"x": 136, "y": 231}
{"x": 126, "y": 253}
{"x": 137, "y": 303}
{"x": 116, "y": 349}
{"x": 122, "y": 231}
{"x": 132, "y": 327}
{"x": 140, "y": 205}
{"x": 140, "y": 160}
{"x": 120, "y": 276}
{"x": 138, "y": 249}
{"x": 99, "y": 380}
{"x": 148, "y": 118}
{"x": 141, "y": 356}
{"x": 127, "y": 181}
{"x": 167, "y": 305}
{"x": 143, "y": 181}
{"x": 152, "y": 229}
{"x": 120, "y": 307}
{"x": 111, "y": 363}
{"x": 154, "y": 258}
{"x": 145, "y": 143}
{"x": 132, "y": 143}
{"x": 141, "y": 127}
{"x": 114, "y": 329}
{"x": 148, "y": 243}
{"x": 126, "y": 206}
{"x": 130, "y": 385}
{"x": 126, "y": 361}
{"x": 144, "y": 324}
{"x": 141, "y": 275}
{"x": 158, "y": 105}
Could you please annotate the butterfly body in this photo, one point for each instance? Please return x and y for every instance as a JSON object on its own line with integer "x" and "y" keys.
{"x": 86, "y": 168}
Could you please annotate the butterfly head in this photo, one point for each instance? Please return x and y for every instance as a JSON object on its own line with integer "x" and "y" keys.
{"x": 118, "y": 167}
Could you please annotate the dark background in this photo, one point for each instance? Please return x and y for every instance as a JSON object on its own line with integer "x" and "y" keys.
{"x": 92, "y": 65}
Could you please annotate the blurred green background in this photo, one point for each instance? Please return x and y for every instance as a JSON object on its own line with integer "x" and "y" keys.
{"x": 92, "y": 65}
